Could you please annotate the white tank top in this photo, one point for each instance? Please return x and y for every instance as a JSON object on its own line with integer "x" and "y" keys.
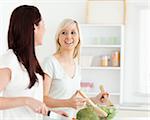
{"x": 18, "y": 87}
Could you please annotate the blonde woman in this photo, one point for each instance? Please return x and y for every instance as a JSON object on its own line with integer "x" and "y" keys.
{"x": 62, "y": 79}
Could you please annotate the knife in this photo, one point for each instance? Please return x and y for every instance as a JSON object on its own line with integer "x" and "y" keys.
{"x": 62, "y": 117}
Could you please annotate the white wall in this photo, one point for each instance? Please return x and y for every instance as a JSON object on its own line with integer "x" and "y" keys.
{"x": 1, "y": 42}
{"x": 109, "y": 11}
{"x": 53, "y": 12}
{"x": 131, "y": 74}
{"x": 6, "y": 7}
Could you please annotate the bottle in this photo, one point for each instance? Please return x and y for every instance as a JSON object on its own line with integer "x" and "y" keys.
{"x": 104, "y": 61}
{"x": 115, "y": 59}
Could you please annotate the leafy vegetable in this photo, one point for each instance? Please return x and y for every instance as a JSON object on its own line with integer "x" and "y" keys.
{"x": 87, "y": 113}
{"x": 111, "y": 111}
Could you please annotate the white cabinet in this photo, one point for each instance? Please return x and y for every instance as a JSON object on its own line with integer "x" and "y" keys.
{"x": 102, "y": 52}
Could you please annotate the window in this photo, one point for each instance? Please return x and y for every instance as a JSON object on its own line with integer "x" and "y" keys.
{"x": 144, "y": 81}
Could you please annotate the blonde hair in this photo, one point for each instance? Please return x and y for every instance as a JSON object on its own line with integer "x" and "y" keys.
{"x": 65, "y": 23}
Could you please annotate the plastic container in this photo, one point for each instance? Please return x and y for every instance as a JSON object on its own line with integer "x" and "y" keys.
{"x": 104, "y": 62}
{"x": 87, "y": 86}
{"x": 115, "y": 58}
{"x": 86, "y": 61}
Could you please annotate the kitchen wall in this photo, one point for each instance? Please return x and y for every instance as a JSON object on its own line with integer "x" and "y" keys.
{"x": 132, "y": 40}
{"x": 6, "y": 7}
{"x": 53, "y": 13}
{"x": 1, "y": 42}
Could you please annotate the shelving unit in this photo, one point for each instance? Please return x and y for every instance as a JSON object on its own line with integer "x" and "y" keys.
{"x": 102, "y": 46}
{"x": 102, "y": 40}
{"x": 102, "y": 68}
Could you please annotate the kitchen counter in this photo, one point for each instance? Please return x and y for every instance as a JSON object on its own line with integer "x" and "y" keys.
{"x": 133, "y": 113}
{"x": 129, "y": 113}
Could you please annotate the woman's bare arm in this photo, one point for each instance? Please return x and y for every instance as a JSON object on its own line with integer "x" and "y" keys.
{"x": 49, "y": 101}
{"x": 14, "y": 102}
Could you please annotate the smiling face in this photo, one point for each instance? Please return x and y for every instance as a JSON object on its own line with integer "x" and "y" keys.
{"x": 69, "y": 37}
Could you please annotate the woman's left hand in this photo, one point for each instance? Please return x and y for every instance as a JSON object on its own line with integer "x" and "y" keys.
{"x": 101, "y": 98}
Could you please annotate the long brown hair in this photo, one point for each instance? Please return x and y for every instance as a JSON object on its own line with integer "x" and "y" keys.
{"x": 21, "y": 39}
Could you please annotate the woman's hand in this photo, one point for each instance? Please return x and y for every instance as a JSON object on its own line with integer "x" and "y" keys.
{"x": 101, "y": 98}
{"x": 36, "y": 105}
{"x": 77, "y": 101}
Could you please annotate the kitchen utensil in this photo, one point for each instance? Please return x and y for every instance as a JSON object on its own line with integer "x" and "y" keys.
{"x": 96, "y": 108}
{"x": 61, "y": 117}
{"x": 108, "y": 102}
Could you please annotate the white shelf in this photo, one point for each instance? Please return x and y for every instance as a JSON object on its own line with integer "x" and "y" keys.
{"x": 101, "y": 40}
{"x": 101, "y": 68}
{"x": 103, "y": 46}
{"x": 115, "y": 94}
{"x": 100, "y": 25}
{"x": 137, "y": 108}
{"x": 95, "y": 93}
{"x": 133, "y": 108}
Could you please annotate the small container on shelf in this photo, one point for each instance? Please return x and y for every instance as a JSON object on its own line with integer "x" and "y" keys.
{"x": 97, "y": 40}
{"x": 104, "y": 40}
{"x": 114, "y": 40}
{"x": 87, "y": 86}
{"x": 86, "y": 61}
{"x": 104, "y": 61}
{"x": 115, "y": 59}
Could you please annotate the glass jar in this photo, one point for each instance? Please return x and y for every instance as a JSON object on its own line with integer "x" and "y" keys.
{"x": 104, "y": 61}
{"x": 115, "y": 58}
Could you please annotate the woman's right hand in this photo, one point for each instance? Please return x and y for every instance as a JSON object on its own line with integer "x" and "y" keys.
{"x": 36, "y": 105}
{"x": 76, "y": 101}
